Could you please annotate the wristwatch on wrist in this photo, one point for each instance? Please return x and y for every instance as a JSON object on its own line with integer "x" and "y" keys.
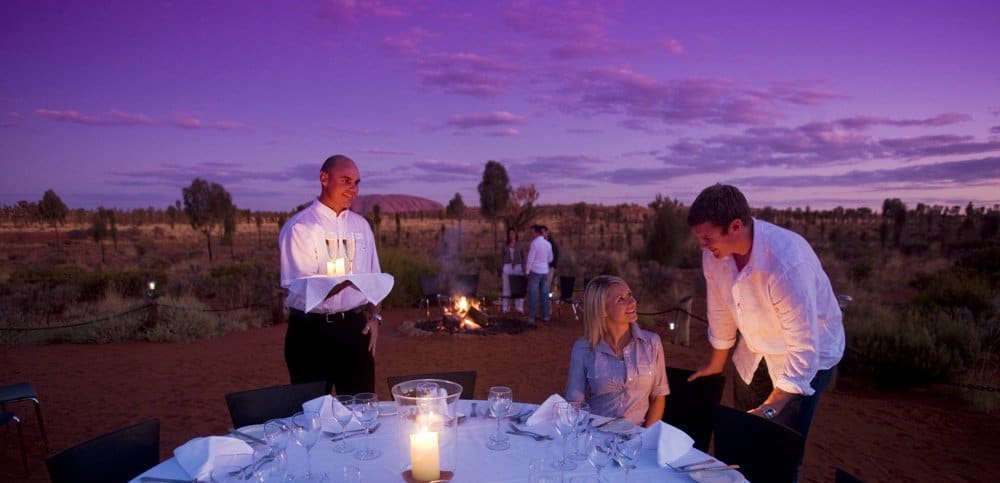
{"x": 377, "y": 317}
{"x": 768, "y": 411}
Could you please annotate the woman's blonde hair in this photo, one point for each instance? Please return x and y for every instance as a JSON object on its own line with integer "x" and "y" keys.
{"x": 594, "y": 303}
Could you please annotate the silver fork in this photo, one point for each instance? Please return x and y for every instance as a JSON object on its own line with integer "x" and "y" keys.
{"x": 538, "y": 437}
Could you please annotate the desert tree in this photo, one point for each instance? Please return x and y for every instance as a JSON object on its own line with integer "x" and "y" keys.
{"x": 521, "y": 209}
{"x": 455, "y": 210}
{"x": 171, "y": 216}
{"x": 229, "y": 232}
{"x": 99, "y": 228}
{"x": 494, "y": 193}
{"x": 580, "y": 210}
{"x": 258, "y": 219}
{"x": 52, "y": 210}
{"x": 666, "y": 233}
{"x": 206, "y": 206}
{"x": 895, "y": 210}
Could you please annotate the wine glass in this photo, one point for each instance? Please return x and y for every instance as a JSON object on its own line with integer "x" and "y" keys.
{"x": 305, "y": 429}
{"x": 350, "y": 249}
{"x": 500, "y": 399}
{"x": 626, "y": 451}
{"x": 276, "y": 433}
{"x": 598, "y": 452}
{"x": 343, "y": 412}
{"x": 269, "y": 464}
{"x": 366, "y": 410}
{"x": 579, "y": 431}
{"x": 565, "y": 415}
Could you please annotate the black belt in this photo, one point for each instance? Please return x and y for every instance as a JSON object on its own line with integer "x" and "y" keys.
{"x": 331, "y": 317}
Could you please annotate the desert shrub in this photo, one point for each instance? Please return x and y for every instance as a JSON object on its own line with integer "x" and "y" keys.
{"x": 954, "y": 288}
{"x": 406, "y": 270}
{"x": 239, "y": 284}
{"x": 921, "y": 346}
{"x": 655, "y": 283}
{"x": 91, "y": 286}
{"x": 183, "y": 319}
{"x": 986, "y": 260}
{"x": 860, "y": 269}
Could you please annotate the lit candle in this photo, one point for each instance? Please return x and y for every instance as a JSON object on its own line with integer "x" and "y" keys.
{"x": 335, "y": 267}
{"x": 424, "y": 456}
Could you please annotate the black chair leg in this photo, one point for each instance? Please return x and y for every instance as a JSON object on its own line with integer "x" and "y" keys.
{"x": 20, "y": 441}
{"x": 41, "y": 424}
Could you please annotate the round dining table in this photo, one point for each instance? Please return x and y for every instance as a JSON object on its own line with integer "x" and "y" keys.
{"x": 473, "y": 461}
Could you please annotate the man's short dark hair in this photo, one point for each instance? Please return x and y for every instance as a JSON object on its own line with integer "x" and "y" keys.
{"x": 719, "y": 205}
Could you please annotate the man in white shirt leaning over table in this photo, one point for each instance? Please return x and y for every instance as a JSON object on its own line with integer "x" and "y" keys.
{"x": 767, "y": 284}
{"x": 334, "y": 342}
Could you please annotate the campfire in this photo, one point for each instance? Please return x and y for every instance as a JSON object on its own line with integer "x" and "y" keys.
{"x": 465, "y": 315}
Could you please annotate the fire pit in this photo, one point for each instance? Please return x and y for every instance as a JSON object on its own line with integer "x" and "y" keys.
{"x": 465, "y": 317}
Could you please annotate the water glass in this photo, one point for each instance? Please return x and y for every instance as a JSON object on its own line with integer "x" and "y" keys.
{"x": 277, "y": 433}
{"x": 343, "y": 412}
{"x": 305, "y": 429}
{"x": 500, "y": 399}
{"x": 227, "y": 474}
{"x": 541, "y": 471}
{"x": 345, "y": 474}
{"x": 565, "y": 415}
{"x": 626, "y": 452}
{"x": 578, "y": 450}
{"x": 366, "y": 410}
{"x": 598, "y": 451}
{"x": 269, "y": 465}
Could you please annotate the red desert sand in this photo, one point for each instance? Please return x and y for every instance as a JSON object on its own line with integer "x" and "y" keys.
{"x": 88, "y": 390}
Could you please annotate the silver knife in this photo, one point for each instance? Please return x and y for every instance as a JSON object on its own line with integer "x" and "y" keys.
{"x": 608, "y": 422}
{"x": 157, "y": 479}
{"x": 236, "y": 432}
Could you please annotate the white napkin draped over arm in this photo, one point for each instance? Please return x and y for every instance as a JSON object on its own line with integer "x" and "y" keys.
{"x": 374, "y": 286}
{"x": 199, "y": 456}
{"x": 545, "y": 412}
{"x": 670, "y": 442}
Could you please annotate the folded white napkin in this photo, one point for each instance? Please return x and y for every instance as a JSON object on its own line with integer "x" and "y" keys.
{"x": 545, "y": 412}
{"x": 200, "y": 455}
{"x": 323, "y": 405}
{"x": 670, "y": 442}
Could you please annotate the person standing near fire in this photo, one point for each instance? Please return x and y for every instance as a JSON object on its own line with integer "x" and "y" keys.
{"x": 513, "y": 264}
{"x": 334, "y": 342}
{"x": 536, "y": 267}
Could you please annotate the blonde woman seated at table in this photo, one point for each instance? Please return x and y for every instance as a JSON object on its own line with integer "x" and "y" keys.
{"x": 617, "y": 367}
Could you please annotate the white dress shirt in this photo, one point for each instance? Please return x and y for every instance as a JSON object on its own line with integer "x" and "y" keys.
{"x": 302, "y": 243}
{"x": 783, "y": 306}
{"x": 539, "y": 256}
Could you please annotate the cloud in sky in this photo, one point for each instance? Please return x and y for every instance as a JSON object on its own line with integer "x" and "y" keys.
{"x": 115, "y": 117}
{"x": 408, "y": 42}
{"x": 969, "y": 172}
{"x": 465, "y": 73}
{"x": 496, "y": 118}
{"x": 672, "y": 46}
{"x": 350, "y": 12}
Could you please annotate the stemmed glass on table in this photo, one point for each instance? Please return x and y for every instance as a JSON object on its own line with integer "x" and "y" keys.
{"x": 366, "y": 410}
{"x": 580, "y": 431}
{"x": 343, "y": 412}
{"x": 598, "y": 452}
{"x": 566, "y": 414}
{"x": 625, "y": 451}
{"x": 500, "y": 399}
{"x": 305, "y": 429}
{"x": 272, "y": 460}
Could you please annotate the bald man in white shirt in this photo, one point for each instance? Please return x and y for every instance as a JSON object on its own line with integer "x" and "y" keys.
{"x": 334, "y": 342}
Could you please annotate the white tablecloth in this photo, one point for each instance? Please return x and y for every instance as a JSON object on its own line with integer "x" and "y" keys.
{"x": 476, "y": 463}
{"x": 374, "y": 286}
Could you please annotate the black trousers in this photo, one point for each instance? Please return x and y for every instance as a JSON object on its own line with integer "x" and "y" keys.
{"x": 334, "y": 351}
{"x": 798, "y": 413}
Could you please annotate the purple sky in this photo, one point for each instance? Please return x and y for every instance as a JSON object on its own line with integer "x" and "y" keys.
{"x": 122, "y": 103}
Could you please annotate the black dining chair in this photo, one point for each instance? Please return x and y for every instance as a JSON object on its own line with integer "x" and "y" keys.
{"x": 566, "y": 283}
{"x": 8, "y": 417}
{"x": 24, "y": 391}
{"x": 429, "y": 290}
{"x": 765, "y": 450}
{"x": 689, "y": 404}
{"x": 518, "y": 287}
{"x": 842, "y": 476}
{"x": 466, "y": 379}
{"x": 115, "y": 457}
{"x": 257, "y": 406}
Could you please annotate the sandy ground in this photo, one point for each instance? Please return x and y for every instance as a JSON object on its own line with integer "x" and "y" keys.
{"x": 88, "y": 390}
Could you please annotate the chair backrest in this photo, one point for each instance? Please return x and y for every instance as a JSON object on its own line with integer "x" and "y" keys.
{"x": 256, "y": 406}
{"x": 764, "y": 449}
{"x": 842, "y": 476}
{"x": 467, "y": 379}
{"x": 429, "y": 286}
{"x": 118, "y": 456}
{"x": 689, "y": 404}
{"x": 518, "y": 286}
{"x": 467, "y": 284}
{"x": 566, "y": 283}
